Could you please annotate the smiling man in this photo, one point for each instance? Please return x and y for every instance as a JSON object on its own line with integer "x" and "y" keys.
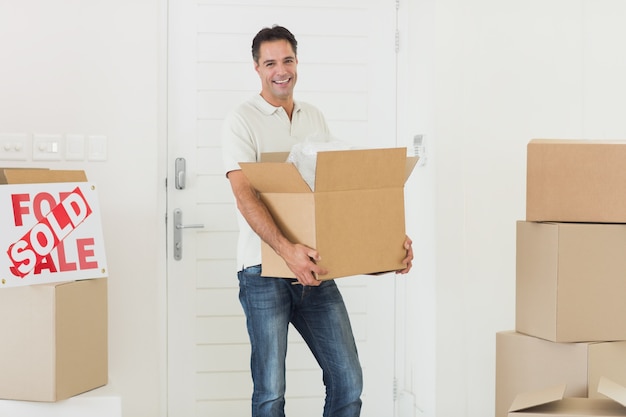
{"x": 273, "y": 122}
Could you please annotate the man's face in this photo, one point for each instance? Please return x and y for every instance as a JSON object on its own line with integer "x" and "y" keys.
{"x": 277, "y": 68}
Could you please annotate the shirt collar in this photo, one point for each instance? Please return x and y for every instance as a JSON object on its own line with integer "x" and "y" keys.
{"x": 265, "y": 107}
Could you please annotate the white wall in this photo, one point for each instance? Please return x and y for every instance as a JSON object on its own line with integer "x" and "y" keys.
{"x": 505, "y": 72}
{"x": 89, "y": 68}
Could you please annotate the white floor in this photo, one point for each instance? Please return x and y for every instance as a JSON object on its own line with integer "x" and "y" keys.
{"x": 101, "y": 402}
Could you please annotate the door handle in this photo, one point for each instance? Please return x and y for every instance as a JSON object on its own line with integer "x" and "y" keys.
{"x": 178, "y": 233}
{"x": 189, "y": 226}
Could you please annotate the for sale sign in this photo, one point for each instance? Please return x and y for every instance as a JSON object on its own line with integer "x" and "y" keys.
{"x": 50, "y": 233}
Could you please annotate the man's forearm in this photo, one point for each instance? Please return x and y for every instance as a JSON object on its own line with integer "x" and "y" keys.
{"x": 261, "y": 221}
{"x": 300, "y": 259}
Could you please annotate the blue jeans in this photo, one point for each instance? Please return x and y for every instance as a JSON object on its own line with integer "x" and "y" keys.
{"x": 320, "y": 316}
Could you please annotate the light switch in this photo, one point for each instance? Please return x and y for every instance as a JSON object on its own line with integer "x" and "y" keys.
{"x": 47, "y": 147}
{"x": 13, "y": 146}
{"x": 97, "y": 148}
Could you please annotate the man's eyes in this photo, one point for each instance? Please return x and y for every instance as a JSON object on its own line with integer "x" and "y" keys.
{"x": 287, "y": 61}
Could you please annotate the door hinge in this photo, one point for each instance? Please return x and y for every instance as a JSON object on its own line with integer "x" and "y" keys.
{"x": 395, "y": 390}
{"x": 397, "y": 41}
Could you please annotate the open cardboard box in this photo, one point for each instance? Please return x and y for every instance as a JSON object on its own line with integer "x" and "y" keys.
{"x": 550, "y": 402}
{"x": 354, "y": 218}
{"x": 526, "y": 363}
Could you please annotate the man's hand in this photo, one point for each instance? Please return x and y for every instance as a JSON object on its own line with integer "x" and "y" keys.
{"x": 408, "y": 260}
{"x": 301, "y": 260}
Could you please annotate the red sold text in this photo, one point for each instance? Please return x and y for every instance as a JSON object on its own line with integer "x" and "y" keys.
{"x": 33, "y": 250}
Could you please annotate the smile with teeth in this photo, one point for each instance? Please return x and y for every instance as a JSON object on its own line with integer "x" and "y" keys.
{"x": 282, "y": 81}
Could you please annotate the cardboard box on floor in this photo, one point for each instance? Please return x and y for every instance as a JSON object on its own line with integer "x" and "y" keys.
{"x": 551, "y": 402}
{"x": 354, "y": 218}
{"x": 54, "y": 340}
{"x": 570, "y": 282}
{"x": 526, "y": 363}
{"x": 576, "y": 181}
{"x": 54, "y": 335}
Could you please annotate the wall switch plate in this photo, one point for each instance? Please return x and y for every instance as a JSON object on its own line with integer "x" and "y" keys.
{"x": 74, "y": 147}
{"x": 97, "y": 148}
{"x": 47, "y": 147}
{"x": 13, "y": 146}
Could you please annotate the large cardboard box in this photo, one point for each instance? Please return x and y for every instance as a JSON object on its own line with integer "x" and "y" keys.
{"x": 526, "y": 363}
{"x": 54, "y": 340}
{"x": 354, "y": 217}
{"x": 551, "y": 402}
{"x": 576, "y": 181}
{"x": 570, "y": 281}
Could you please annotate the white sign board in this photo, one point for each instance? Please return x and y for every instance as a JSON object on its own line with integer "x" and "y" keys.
{"x": 50, "y": 233}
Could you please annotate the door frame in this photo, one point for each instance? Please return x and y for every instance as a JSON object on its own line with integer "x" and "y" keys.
{"x": 166, "y": 171}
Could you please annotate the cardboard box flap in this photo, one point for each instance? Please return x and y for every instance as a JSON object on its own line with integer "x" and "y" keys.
{"x": 40, "y": 176}
{"x": 411, "y": 161}
{"x": 274, "y": 177}
{"x": 612, "y": 390}
{"x": 534, "y": 398}
{"x": 360, "y": 169}
{"x": 274, "y": 157}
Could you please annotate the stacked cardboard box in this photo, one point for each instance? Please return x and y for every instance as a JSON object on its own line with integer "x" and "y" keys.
{"x": 570, "y": 324}
{"x": 53, "y": 312}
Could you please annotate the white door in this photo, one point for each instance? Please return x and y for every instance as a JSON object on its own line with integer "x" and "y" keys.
{"x": 347, "y": 68}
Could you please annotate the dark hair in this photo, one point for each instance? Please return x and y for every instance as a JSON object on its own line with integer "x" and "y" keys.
{"x": 275, "y": 33}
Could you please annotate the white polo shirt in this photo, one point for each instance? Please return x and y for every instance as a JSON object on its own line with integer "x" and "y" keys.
{"x": 256, "y": 127}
